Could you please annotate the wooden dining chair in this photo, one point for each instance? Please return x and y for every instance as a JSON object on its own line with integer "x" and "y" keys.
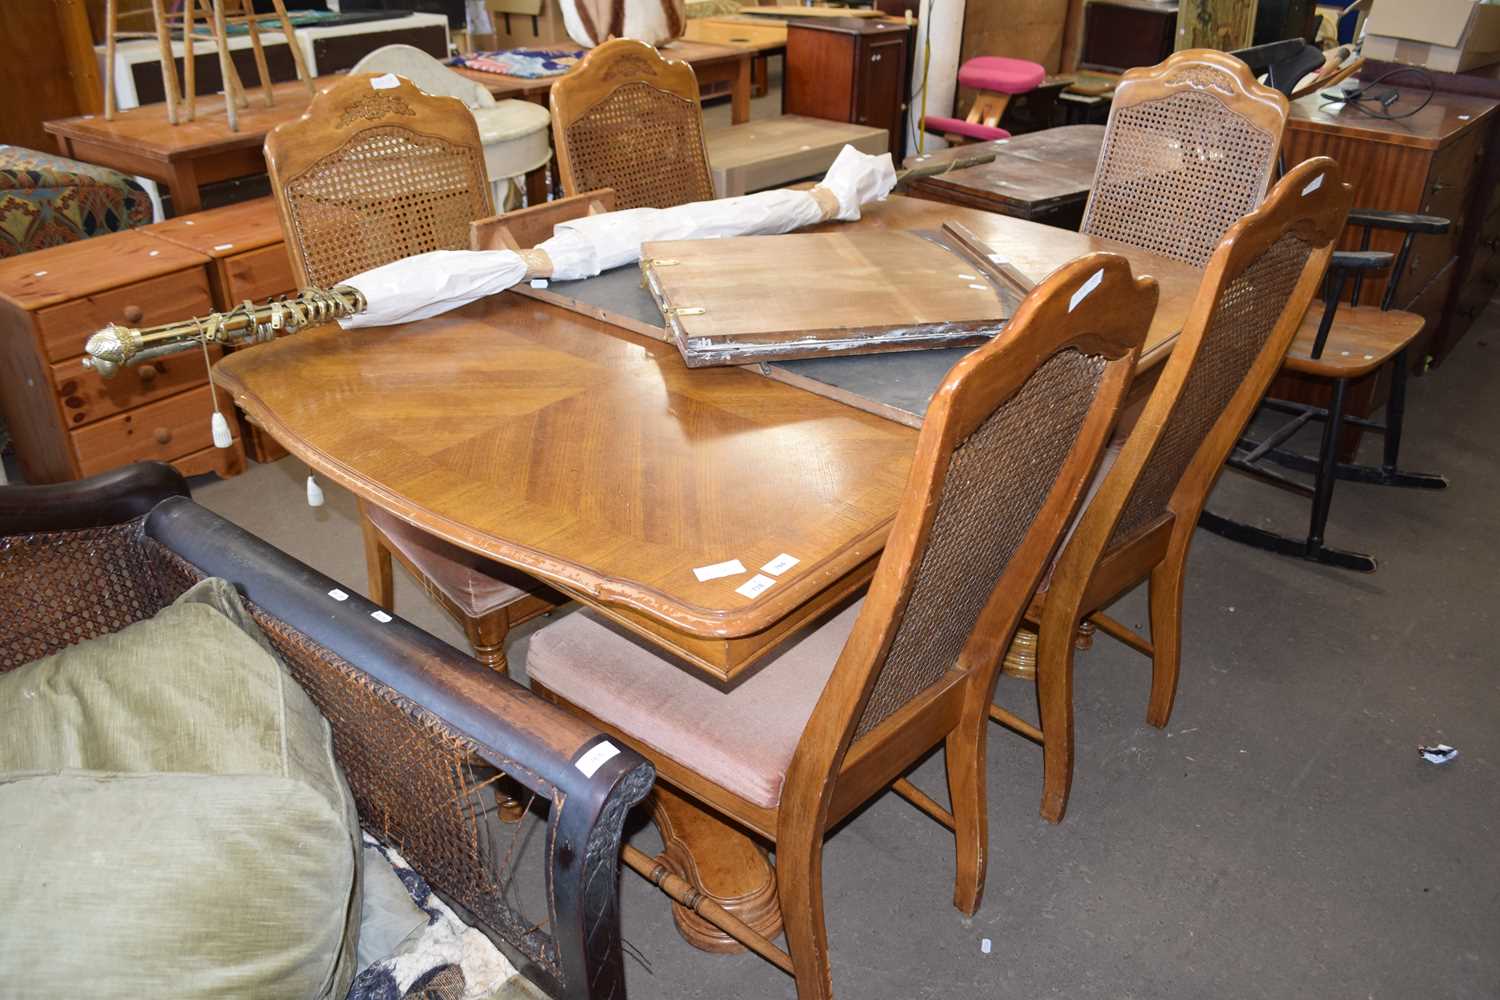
{"x": 1138, "y": 523}
{"x": 374, "y": 171}
{"x": 838, "y": 716}
{"x": 1190, "y": 148}
{"x": 627, "y": 119}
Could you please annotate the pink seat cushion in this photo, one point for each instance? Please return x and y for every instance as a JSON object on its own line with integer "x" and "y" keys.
{"x": 474, "y": 583}
{"x": 969, "y": 130}
{"x": 742, "y": 739}
{"x": 1004, "y": 76}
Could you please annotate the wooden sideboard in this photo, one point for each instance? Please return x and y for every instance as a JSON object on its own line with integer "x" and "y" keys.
{"x": 65, "y": 420}
{"x": 1440, "y": 161}
{"x": 849, "y": 69}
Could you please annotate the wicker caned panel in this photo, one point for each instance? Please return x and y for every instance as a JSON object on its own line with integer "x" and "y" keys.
{"x": 1176, "y": 173}
{"x": 1243, "y": 319}
{"x": 388, "y": 193}
{"x": 996, "y": 483}
{"x": 646, "y": 144}
{"x": 62, "y": 587}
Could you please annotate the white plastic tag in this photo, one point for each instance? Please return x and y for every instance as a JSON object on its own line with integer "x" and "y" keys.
{"x": 730, "y": 568}
{"x": 599, "y": 754}
{"x": 338, "y": 595}
{"x": 780, "y": 564}
{"x": 380, "y": 616}
{"x": 1086, "y": 289}
{"x": 1313, "y": 185}
{"x": 389, "y": 81}
{"x": 755, "y": 586}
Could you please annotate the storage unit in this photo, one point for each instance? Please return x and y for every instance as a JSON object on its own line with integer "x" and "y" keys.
{"x": 849, "y": 69}
{"x": 65, "y": 420}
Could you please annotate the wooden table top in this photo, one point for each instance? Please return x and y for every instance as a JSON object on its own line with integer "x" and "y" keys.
{"x": 73, "y": 270}
{"x": 693, "y": 53}
{"x": 1030, "y": 173}
{"x": 596, "y": 460}
{"x": 145, "y": 131}
{"x": 1444, "y": 117}
{"x": 223, "y": 232}
{"x": 744, "y": 32}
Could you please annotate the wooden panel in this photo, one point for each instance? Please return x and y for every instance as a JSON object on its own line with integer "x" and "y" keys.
{"x": 1215, "y": 24}
{"x": 868, "y": 292}
{"x": 34, "y": 63}
{"x": 882, "y": 84}
{"x": 64, "y": 328}
{"x": 225, "y": 461}
{"x": 160, "y": 431}
{"x": 256, "y": 275}
{"x": 59, "y": 274}
{"x": 86, "y": 397}
{"x": 775, "y": 151}
{"x": 820, "y": 74}
{"x": 1020, "y": 29}
{"x": 28, "y": 404}
{"x": 226, "y": 231}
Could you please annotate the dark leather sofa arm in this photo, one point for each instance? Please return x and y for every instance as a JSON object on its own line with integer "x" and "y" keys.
{"x": 112, "y": 497}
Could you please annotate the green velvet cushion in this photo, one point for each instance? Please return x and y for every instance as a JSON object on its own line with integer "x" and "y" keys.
{"x": 172, "y": 818}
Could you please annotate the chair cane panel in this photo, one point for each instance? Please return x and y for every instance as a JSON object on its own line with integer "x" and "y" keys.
{"x": 997, "y": 481}
{"x": 644, "y": 143}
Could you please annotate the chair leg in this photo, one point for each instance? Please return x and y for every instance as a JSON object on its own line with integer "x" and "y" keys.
{"x": 487, "y": 635}
{"x": 799, "y": 886}
{"x": 965, "y": 755}
{"x": 1166, "y": 635}
{"x": 1327, "y": 477}
{"x": 377, "y": 565}
{"x": 1054, "y": 695}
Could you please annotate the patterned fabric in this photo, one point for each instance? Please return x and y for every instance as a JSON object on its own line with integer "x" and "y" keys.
{"x": 529, "y": 64}
{"x": 48, "y": 200}
{"x": 446, "y": 960}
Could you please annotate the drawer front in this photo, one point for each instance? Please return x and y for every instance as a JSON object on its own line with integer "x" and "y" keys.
{"x": 225, "y": 461}
{"x": 86, "y": 397}
{"x": 162, "y": 431}
{"x": 64, "y": 328}
{"x": 258, "y": 275}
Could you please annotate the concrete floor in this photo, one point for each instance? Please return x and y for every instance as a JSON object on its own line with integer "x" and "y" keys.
{"x": 1281, "y": 838}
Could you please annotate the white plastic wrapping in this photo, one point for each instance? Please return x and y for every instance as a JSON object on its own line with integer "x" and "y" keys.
{"x": 432, "y": 283}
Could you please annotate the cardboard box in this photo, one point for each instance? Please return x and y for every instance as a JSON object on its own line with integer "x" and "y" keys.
{"x": 529, "y": 24}
{"x": 1449, "y": 36}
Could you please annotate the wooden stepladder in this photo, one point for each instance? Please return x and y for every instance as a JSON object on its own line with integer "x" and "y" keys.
{"x": 217, "y": 18}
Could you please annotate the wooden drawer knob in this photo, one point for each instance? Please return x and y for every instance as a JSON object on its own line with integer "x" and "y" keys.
{"x": 134, "y": 315}
{"x": 162, "y": 434}
{"x": 147, "y": 373}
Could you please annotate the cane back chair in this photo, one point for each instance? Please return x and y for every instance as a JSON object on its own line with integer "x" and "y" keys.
{"x": 1190, "y": 148}
{"x": 1138, "y": 525}
{"x": 418, "y": 728}
{"x": 1016, "y": 427}
{"x": 375, "y": 171}
{"x": 627, "y": 119}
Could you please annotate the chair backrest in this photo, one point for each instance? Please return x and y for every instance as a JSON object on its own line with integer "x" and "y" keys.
{"x": 1257, "y": 287}
{"x": 1190, "y": 148}
{"x": 627, "y": 119}
{"x": 426, "y": 72}
{"x": 374, "y": 172}
{"x": 1008, "y": 444}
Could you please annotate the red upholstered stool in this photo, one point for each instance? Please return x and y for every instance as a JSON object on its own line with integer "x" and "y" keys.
{"x": 997, "y": 79}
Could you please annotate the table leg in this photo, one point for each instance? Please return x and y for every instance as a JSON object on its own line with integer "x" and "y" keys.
{"x": 720, "y": 861}
{"x": 1020, "y": 658}
{"x": 536, "y": 186}
{"x": 183, "y": 186}
{"x": 760, "y": 75}
{"x": 739, "y": 93}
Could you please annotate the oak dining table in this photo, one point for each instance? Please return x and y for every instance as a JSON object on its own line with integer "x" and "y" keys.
{"x": 592, "y": 458}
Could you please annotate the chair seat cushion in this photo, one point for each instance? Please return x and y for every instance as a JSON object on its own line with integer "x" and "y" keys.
{"x": 517, "y": 137}
{"x": 173, "y": 819}
{"x": 1002, "y": 75}
{"x": 969, "y": 130}
{"x": 1362, "y": 339}
{"x": 742, "y": 739}
{"x": 476, "y": 584}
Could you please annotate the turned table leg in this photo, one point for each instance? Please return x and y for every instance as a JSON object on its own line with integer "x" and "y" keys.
{"x": 1020, "y": 658}
{"x": 720, "y": 861}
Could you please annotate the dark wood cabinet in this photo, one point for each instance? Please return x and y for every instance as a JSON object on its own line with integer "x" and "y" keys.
{"x": 849, "y": 70}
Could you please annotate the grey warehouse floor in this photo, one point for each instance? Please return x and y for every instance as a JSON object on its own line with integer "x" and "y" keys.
{"x": 1281, "y": 838}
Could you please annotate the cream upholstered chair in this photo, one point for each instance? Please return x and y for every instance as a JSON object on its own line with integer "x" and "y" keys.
{"x": 1139, "y": 522}
{"x": 375, "y": 171}
{"x": 1190, "y": 148}
{"x": 629, "y": 120}
{"x": 838, "y": 716}
{"x": 514, "y": 133}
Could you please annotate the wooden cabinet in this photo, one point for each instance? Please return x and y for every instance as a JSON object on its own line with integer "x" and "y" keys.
{"x": 65, "y": 420}
{"x": 849, "y": 70}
